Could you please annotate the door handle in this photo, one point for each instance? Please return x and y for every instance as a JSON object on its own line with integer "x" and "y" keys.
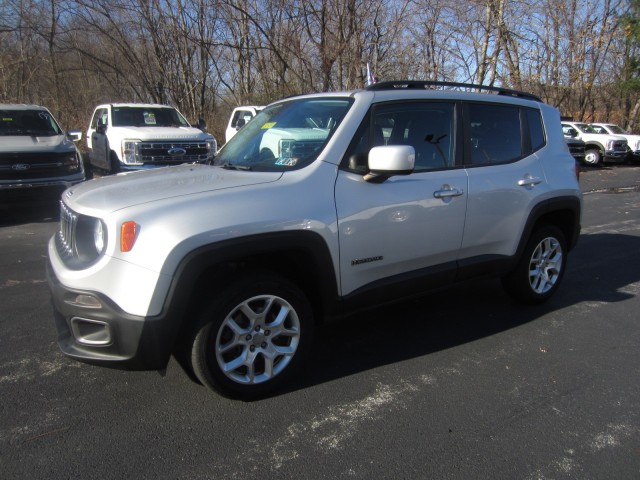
{"x": 529, "y": 181}
{"x": 447, "y": 191}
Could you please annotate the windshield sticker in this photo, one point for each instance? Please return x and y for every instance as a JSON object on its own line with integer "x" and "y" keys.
{"x": 268, "y": 125}
{"x": 149, "y": 118}
{"x": 287, "y": 162}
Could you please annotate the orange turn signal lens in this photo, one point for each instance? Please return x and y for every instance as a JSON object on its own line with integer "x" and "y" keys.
{"x": 128, "y": 233}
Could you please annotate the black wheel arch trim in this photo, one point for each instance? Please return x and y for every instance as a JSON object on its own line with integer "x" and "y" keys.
{"x": 308, "y": 249}
{"x": 564, "y": 206}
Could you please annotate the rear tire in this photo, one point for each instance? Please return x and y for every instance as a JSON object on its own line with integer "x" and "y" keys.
{"x": 541, "y": 267}
{"x": 252, "y": 337}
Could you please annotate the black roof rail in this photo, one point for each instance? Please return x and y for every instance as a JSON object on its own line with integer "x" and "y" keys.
{"x": 414, "y": 84}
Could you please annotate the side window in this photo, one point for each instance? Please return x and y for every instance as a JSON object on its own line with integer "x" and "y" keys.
{"x": 245, "y": 115}
{"x": 427, "y": 126}
{"x": 94, "y": 120}
{"x": 536, "y": 130}
{"x": 496, "y": 135}
{"x": 101, "y": 116}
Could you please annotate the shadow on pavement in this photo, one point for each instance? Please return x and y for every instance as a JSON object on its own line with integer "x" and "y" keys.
{"x": 18, "y": 208}
{"x": 466, "y": 313}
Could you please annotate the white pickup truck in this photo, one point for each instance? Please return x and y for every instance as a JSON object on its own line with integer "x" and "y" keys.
{"x": 599, "y": 147}
{"x": 632, "y": 140}
{"x": 239, "y": 118}
{"x": 134, "y": 136}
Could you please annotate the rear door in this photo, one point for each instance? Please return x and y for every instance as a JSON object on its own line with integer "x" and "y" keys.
{"x": 505, "y": 179}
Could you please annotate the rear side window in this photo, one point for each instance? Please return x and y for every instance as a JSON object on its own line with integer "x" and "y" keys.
{"x": 495, "y": 133}
{"x": 536, "y": 131}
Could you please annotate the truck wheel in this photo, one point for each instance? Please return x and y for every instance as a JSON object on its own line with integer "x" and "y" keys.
{"x": 114, "y": 163}
{"x": 541, "y": 267}
{"x": 252, "y": 336}
{"x": 592, "y": 157}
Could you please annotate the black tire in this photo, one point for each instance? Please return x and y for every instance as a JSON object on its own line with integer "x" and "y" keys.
{"x": 593, "y": 157}
{"x": 264, "y": 327}
{"x": 88, "y": 168}
{"x": 540, "y": 269}
{"x": 114, "y": 163}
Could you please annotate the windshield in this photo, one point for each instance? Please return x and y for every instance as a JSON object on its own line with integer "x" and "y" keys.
{"x": 147, "y": 117}
{"x": 28, "y": 123}
{"x": 285, "y": 136}
{"x": 618, "y": 130}
{"x": 584, "y": 128}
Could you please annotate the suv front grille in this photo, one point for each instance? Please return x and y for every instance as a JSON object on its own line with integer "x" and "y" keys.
{"x": 65, "y": 239}
{"x": 577, "y": 150}
{"x": 158, "y": 152}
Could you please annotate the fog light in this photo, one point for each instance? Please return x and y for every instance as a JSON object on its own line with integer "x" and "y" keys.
{"x": 90, "y": 332}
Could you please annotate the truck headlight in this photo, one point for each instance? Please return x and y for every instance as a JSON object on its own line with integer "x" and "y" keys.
{"x": 212, "y": 147}
{"x": 129, "y": 156}
{"x": 286, "y": 148}
{"x": 72, "y": 161}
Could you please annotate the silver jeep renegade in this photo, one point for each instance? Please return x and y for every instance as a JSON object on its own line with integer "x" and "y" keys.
{"x": 322, "y": 205}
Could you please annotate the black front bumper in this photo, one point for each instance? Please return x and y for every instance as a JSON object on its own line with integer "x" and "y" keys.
{"x": 106, "y": 335}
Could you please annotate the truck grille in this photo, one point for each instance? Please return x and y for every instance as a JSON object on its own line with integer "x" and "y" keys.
{"x": 158, "y": 153}
{"x": 619, "y": 146}
{"x": 305, "y": 148}
{"x": 577, "y": 150}
{"x": 30, "y": 166}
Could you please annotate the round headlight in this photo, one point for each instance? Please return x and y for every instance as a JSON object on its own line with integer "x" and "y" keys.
{"x": 99, "y": 237}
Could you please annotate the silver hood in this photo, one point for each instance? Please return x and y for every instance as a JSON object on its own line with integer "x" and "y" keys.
{"x": 112, "y": 193}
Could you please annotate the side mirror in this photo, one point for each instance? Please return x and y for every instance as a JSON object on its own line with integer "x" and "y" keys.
{"x": 74, "y": 135}
{"x": 390, "y": 160}
{"x": 240, "y": 123}
{"x": 202, "y": 125}
{"x": 101, "y": 128}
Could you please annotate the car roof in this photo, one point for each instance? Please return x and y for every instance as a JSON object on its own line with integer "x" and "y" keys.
{"x": 136, "y": 105}
{"x": 22, "y": 106}
{"x": 430, "y": 90}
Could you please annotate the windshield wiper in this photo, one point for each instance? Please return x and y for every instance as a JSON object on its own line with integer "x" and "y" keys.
{"x": 228, "y": 166}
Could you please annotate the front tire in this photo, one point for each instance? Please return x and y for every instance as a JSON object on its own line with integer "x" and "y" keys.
{"x": 592, "y": 157}
{"x": 252, "y": 337}
{"x": 114, "y": 163}
{"x": 541, "y": 268}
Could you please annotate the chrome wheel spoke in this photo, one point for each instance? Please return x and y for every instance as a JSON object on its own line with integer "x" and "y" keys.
{"x": 545, "y": 265}
{"x": 258, "y": 339}
{"x": 234, "y": 364}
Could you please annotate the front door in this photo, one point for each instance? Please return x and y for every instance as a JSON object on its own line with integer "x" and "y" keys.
{"x": 408, "y": 225}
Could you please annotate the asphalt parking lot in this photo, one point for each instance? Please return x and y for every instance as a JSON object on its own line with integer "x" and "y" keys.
{"x": 463, "y": 384}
